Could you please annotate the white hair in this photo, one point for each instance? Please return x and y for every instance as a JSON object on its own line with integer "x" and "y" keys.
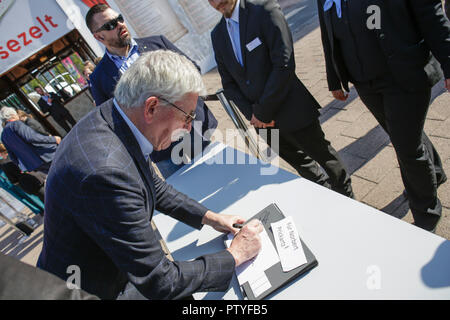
{"x": 7, "y": 113}
{"x": 162, "y": 73}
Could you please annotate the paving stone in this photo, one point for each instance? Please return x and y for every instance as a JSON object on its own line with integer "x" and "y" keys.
{"x": 333, "y": 128}
{"x": 443, "y": 227}
{"x": 444, "y": 189}
{"x": 361, "y": 187}
{"x": 352, "y": 112}
{"x": 431, "y": 126}
{"x": 386, "y": 191}
{"x": 361, "y": 126}
{"x": 351, "y": 161}
{"x": 442, "y": 145}
{"x": 443, "y": 130}
{"x": 377, "y": 168}
{"x": 439, "y": 109}
{"x": 369, "y": 145}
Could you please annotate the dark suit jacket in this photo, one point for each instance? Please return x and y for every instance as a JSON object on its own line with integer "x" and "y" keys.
{"x": 20, "y": 281}
{"x": 56, "y": 108}
{"x": 447, "y": 8}
{"x": 410, "y": 31}
{"x": 266, "y": 85}
{"x": 26, "y": 147}
{"x": 106, "y": 75}
{"x": 100, "y": 197}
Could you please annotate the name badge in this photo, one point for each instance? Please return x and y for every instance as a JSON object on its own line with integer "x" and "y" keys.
{"x": 253, "y": 44}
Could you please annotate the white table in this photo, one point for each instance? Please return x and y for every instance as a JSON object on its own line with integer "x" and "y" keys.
{"x": 363, "y": 253}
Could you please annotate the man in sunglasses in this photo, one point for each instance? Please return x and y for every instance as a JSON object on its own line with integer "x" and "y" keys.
{"x": 109, "y": 28}
{"x": 101, "y": 193}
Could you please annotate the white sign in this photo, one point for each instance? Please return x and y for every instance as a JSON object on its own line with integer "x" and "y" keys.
{"x": 28, "y": 26}
{"x": 288, "y": 244}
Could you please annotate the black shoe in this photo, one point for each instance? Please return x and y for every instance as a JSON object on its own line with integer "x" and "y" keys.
{"x": 427, "y": 222}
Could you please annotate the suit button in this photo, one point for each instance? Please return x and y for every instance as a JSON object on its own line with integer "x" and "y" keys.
{"x": 382, "y": 36}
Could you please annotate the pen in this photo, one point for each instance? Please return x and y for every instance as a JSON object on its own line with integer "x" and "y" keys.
{"x": 238, "y": 225}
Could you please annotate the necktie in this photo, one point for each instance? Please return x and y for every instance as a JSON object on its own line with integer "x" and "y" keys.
{"x": 329, "y": 3}
{"x": 234, "y": 30}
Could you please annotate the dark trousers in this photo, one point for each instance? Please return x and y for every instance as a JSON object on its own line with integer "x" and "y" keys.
{"x": 64, "y": 119}
{"x": 402, "y": 115}
{"x": 305, "y": 150}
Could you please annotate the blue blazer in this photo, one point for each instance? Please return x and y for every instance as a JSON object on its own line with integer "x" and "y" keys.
{"x": 26, "y": 147}
{"x": 106, "y": 75}
{"x": 100, "y": 197}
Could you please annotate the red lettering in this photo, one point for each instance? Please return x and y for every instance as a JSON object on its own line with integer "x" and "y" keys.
{"x": 4, "y": 54}
{"x": 13, "y": 45}
{"x": 42, "y": 24}
{"x": 35, "y": 32}
{"x": 49, "y": 19}
{"x": 25, "y": 42}
{"x": 22, "y": 40}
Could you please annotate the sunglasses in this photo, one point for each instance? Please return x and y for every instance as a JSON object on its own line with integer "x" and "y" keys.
{"x": 111, "y": 24}
{"x": 189, "y": 116}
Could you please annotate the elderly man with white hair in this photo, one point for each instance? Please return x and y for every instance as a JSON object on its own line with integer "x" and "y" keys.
{"x": 101, "y": 193}
{"x": 29, "y": 149}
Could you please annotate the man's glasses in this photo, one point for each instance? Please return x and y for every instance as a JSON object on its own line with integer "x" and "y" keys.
{"x": 111, "y": 24}
{"x": 189, "y": 116}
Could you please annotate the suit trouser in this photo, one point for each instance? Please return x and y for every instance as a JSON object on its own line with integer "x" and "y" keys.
{"x": 402, "y": 115}
{"x": 64, "y": 119}
{"x": 305, "y": 149}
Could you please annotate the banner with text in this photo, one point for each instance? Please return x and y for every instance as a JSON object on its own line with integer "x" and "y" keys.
{"x": 27, "y": 27}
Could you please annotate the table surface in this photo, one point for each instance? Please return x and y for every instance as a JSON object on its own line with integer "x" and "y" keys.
{"x": 362, "y": 252}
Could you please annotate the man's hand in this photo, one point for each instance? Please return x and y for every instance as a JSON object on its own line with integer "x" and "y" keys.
{"x": 222, "y": 222}
{"x": 340, "y": 95}
{"x": 247, "y": 242}
{"x": 259, "y": 124}
{"x": 447, "y": 84}
{"x": 58, "y": 139}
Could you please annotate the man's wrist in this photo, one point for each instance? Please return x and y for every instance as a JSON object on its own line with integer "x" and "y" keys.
{"x": 209, "y": 218}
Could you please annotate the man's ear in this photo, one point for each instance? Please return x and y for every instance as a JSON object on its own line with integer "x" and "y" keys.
{"x": 98, "y": 37}
{"x": 150, "y": 107}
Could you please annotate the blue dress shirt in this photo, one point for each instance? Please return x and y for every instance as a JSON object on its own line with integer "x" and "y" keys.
{"x": 329, "y": 3}
{"x": 233, "y": 32}
{"x": 123, "y": 63}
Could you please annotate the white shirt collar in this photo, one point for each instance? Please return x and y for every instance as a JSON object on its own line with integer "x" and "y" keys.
{"x": 144, "y": 144}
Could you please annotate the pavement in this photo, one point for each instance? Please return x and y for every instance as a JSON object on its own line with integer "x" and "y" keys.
{"x": 351, "y": 129}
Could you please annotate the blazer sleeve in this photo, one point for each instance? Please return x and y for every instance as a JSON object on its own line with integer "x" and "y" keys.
{"x": 435, "y": 29}
{"x": 116, "y": 216}
{"x": 230, "y": 87}
{"x": 332, "y": 78}
{"x": 278, "y": 38}
{"x": 96, "y": 89}
{"x": 29, "y": 135}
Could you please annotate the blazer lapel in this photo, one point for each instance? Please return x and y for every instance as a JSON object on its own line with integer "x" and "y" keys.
{"x": 123, "y": 132}
{"x": 228, "y": 47}
{"x": 110, "y": 69}
{"x": 243, "y": 31}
